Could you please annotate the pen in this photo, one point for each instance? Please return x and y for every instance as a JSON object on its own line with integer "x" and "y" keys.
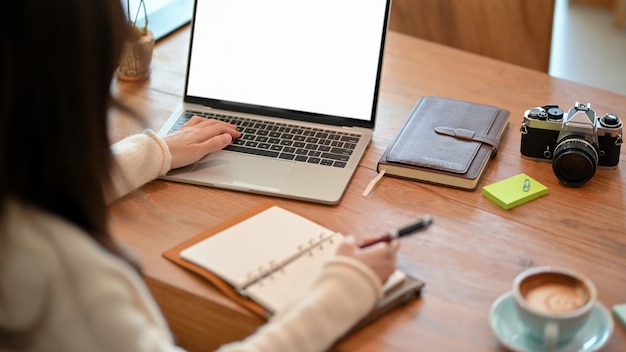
{"x": 419, "y": 225}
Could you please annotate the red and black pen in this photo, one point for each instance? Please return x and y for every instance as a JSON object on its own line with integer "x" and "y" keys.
{"x": 419, "y": 225}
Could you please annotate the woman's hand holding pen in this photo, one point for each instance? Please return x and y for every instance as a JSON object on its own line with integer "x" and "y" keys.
{"x": 380, "y": 253}
{"x": 197, "y": 138}
{"x": 381, "y": 258}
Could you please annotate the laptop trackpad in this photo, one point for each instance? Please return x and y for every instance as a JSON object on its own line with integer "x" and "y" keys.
{"x": 244, "y": 171}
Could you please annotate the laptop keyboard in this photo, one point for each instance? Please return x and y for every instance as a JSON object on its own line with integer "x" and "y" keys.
{"x": 285, "y": 141}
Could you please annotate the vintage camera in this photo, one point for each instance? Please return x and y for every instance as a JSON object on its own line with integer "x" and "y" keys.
{"x": 577, "y": 141}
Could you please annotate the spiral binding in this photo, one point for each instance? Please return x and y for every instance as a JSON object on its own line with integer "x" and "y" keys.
{"x": 273, "y": 267}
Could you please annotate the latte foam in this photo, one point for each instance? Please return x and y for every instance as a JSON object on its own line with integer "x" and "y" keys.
{"x": 556, "y": 298}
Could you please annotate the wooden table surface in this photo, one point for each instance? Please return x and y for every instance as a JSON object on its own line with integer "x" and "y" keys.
{"x": 468, "y": 258}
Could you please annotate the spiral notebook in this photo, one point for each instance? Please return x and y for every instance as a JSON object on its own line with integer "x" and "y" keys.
{"x": 268, "y": 256}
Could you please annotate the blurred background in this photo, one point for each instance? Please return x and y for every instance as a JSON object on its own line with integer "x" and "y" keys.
{"x": 588, "y": 43}
{"x": 579, "y": 40}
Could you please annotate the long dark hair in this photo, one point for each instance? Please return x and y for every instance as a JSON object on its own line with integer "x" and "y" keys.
{"x": 57, "y": 62}
{"x": 56, "y": 66}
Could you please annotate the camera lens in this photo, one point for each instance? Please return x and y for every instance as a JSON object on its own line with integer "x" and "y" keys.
{"x": 575, "y": 160}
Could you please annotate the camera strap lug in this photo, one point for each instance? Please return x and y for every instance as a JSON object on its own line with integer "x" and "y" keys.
{"x": 524, "y": 128}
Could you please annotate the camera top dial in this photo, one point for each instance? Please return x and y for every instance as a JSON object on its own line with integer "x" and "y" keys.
{"x": 555, "y": 114}
{"x": 610, "y": 121}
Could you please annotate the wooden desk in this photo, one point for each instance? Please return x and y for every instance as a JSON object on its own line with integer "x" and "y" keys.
{"x": 468, "y": 258}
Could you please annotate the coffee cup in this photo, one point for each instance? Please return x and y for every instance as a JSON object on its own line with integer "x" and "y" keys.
{"x": 553, "y": 303}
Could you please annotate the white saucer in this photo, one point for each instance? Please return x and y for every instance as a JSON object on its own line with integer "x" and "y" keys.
{"x": 510, "y": 331}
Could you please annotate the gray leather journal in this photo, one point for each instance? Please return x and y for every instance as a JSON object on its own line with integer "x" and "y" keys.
{"x": 446, "y": 141}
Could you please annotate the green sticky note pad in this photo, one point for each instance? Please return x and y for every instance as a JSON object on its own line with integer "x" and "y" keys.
{"x": 514, "y": 191}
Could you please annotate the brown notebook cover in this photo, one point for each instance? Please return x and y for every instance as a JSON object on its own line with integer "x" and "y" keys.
{"x": 399, "y": 295}
{"x": 445, "y": 141}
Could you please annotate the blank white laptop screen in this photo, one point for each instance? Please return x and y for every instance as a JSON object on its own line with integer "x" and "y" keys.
{"x": 311, "y": 56}
{"x": 269, "y": 65}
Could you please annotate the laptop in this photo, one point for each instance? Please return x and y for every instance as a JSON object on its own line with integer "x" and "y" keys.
{"x": 300, "y": 79}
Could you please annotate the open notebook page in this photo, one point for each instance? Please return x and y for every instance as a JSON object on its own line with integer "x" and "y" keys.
{"x": 242, "y": 252}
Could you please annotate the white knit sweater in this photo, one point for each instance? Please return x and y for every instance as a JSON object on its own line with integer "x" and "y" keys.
{"x": 75, "y": 296}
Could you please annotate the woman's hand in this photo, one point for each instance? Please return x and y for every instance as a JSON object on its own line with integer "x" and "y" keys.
{"x": 381, "y": 257}
{"x": 197, "y": 138}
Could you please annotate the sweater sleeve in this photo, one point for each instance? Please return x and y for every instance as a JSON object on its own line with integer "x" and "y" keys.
{"x": 138, "y": 159}
{"x": 343, "y": 294}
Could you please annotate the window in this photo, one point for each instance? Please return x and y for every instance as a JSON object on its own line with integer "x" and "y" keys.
{"x": 164, "y": 16}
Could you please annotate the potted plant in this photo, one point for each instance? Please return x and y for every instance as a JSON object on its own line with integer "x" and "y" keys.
{"x": 136, "y": 56}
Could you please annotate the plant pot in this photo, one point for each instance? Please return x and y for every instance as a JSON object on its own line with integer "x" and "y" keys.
{"x": 136, "y": 58}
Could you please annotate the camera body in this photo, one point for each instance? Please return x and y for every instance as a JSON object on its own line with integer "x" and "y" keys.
{"x": 576, "y": 142}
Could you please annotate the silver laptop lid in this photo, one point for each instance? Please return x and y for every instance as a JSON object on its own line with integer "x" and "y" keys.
{"x": 316, "y": 61}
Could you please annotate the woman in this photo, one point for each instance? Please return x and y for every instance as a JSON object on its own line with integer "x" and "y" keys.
{"x": 64, "y": 284}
